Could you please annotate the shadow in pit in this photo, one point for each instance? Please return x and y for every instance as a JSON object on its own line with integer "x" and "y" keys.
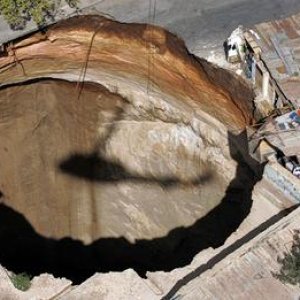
{"x": 23, "y": 250}
{"x": 96, "y": 168}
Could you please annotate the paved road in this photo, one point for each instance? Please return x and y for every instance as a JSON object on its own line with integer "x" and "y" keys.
{"x": 200, "y": 22}
{"x": 203, "y": 24}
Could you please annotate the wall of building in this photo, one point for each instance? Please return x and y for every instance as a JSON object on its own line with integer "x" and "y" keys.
{"x": 283, "y": 179}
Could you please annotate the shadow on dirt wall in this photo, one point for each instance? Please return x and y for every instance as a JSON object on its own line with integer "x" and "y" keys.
{"x": 23, "y": 250}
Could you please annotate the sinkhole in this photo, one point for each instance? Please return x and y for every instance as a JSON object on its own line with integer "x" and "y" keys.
{"x": 91, "y": 183}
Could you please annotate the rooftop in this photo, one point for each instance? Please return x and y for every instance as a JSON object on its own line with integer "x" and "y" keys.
{"x": 280, "y": 44}
{"x": 281, "y": 133}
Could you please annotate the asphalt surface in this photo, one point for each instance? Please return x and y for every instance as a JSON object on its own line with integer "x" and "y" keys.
{"x": 203, "y": 24}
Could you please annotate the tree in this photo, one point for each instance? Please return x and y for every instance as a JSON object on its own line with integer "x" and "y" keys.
{"x": 18, "y": 12}
{"x": 21, "y": 281}
{"x": 290, "y": 263}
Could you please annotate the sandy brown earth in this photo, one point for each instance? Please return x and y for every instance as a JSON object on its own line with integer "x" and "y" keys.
{"x": 72, "y": 165}
{"x": 146, "y": 55}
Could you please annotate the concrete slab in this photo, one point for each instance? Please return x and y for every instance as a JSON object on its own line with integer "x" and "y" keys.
{"x": 247, "y": 273}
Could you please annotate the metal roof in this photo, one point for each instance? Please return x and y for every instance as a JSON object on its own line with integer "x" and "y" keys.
{"x": 280, "y": 44}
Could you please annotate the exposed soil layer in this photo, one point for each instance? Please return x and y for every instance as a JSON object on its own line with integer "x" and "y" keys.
{"x": 143, "y": 167}
{"x": 145, "y": 57}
